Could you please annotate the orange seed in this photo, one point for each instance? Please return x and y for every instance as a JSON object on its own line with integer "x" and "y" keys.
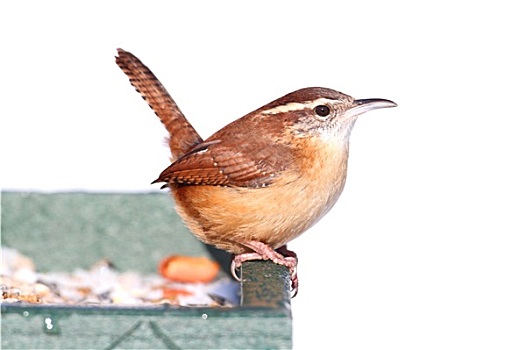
{"x": 188, "y": 269}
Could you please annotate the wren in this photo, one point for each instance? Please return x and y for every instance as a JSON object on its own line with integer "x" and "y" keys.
{"x": 262, "y": 180}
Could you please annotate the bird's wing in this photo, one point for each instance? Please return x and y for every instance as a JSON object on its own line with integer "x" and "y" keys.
{"x": 217, "y": 163}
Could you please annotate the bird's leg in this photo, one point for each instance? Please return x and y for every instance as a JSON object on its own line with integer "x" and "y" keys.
{"x": 261, "y": 251}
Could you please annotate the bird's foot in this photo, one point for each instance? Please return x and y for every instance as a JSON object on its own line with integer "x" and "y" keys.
{"x": 261, "y": 251}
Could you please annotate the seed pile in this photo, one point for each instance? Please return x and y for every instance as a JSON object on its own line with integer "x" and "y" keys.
{"x": 102, "y": 284}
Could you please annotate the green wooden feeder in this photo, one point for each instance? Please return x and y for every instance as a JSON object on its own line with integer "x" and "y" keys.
{"x": 63, "y": 231}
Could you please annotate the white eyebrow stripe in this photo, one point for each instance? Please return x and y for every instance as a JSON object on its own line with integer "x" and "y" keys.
{"x": 295, "y": 106}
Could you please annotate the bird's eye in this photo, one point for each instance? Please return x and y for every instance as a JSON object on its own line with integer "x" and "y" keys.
{"x": 322, "y": 110}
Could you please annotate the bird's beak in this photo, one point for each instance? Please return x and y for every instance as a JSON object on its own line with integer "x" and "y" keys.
{"x": 368, "y": 104}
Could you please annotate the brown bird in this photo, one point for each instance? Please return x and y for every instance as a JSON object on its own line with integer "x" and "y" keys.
{"x": 263, "y": 179}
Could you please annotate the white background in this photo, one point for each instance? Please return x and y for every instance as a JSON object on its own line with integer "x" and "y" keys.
{"x": 426, "y": 247}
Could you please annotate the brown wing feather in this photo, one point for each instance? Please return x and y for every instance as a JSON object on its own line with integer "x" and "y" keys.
{"x": 224, "y": 164}
{"x": 182, "y": 135}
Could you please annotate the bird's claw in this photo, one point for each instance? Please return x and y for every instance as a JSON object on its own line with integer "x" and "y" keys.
{"x": 261, "y": 251}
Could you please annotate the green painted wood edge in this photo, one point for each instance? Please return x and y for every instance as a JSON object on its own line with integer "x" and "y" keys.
{"x": 265, "y": 284}
{"x": 93, "y": 328}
